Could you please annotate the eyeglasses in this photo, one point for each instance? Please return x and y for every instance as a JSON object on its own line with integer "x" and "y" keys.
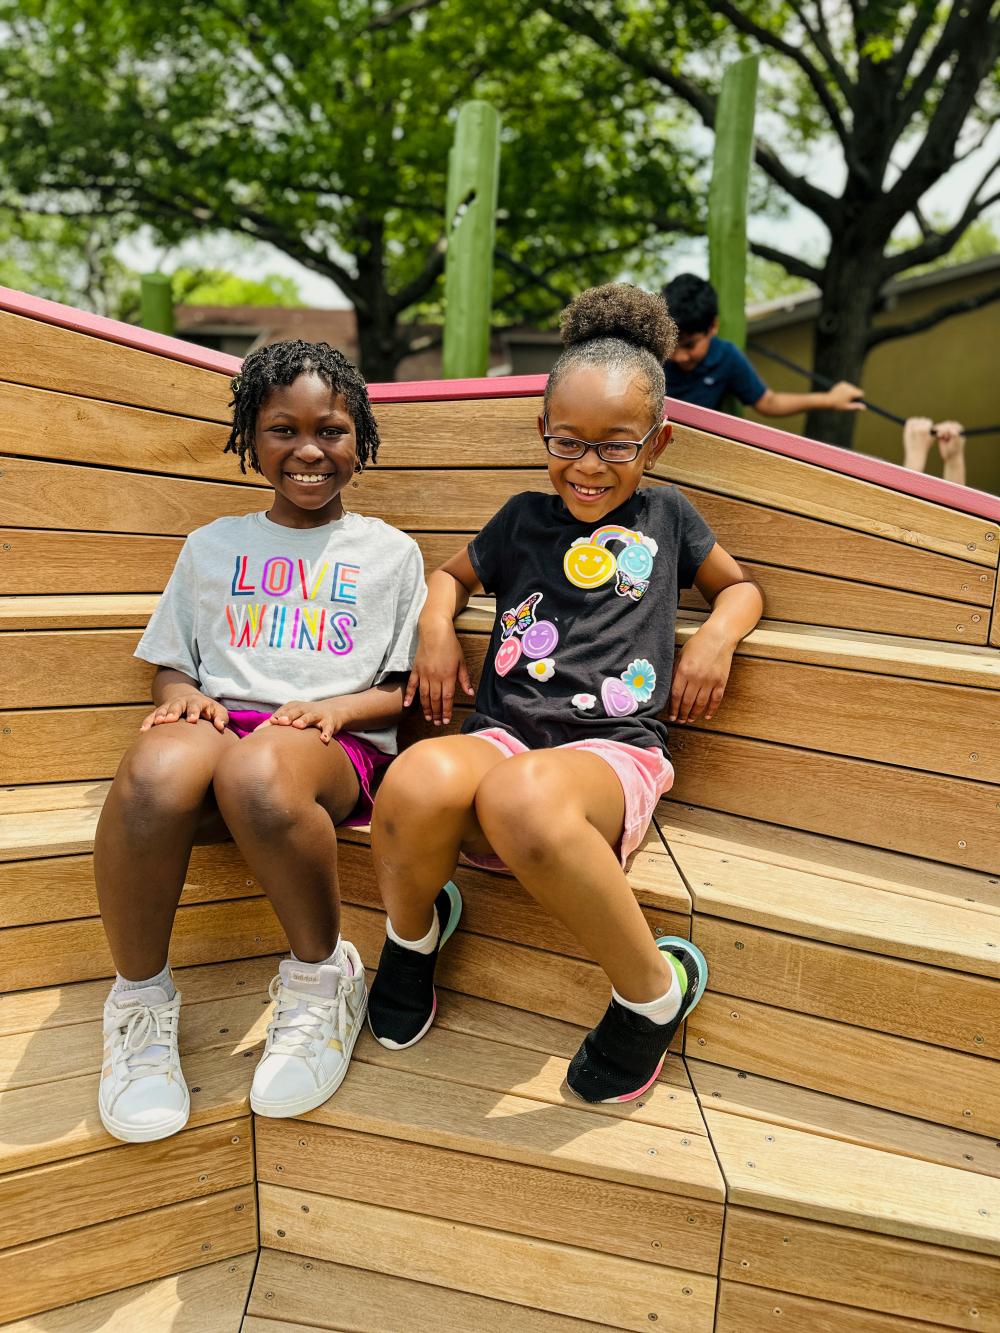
{"x": 609, "y": 451}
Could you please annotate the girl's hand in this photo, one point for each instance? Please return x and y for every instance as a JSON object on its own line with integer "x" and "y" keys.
{"x": 700, "y": 676}
{"x": 326, "y": 716}
{"x": 438, "y": 664}
{"x": 190, "y": 707}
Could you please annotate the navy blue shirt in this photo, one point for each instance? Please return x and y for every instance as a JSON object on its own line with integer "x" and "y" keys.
{"x": 724, "y": 370}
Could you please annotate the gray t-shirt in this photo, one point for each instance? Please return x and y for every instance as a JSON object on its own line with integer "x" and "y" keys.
{"x": 260, "y": 614}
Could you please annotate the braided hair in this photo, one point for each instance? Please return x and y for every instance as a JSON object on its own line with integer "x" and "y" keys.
{"x": 621, "y": 328}
{"x": 282, "y": 363}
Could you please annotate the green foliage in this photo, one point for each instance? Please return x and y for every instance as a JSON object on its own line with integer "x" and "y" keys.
{"x": 767, "y": 281}
{"x": 68, "y": 260}
{"x": 216, "y": 286}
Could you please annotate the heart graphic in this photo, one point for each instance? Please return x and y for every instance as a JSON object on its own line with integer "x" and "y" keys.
{"x": 507, "y": 655}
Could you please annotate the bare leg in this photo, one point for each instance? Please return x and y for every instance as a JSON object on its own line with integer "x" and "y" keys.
{"x": 281, "y": 793}
{"x": 144, "y": 838}
{"x": 424, "y": 814}
{"x": 555, "y": 817}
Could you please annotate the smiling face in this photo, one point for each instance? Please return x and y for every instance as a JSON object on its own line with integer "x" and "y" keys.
{"x": 692, "y": 348}
{"x": 595, "y": 404}
{"x": 307, "y": 449}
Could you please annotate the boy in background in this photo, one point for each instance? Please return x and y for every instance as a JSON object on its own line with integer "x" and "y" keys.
{"x": 704, "y": 368}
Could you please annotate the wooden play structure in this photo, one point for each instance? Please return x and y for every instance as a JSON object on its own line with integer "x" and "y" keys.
{"x": 822, "y": 1154}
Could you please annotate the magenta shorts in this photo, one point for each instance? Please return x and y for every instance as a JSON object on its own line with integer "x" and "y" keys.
{"x": 645, "y": 774}
{"x": 367, "y": 760}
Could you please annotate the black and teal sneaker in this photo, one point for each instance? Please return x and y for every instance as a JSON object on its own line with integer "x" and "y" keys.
{"x": 622, "y": 1057}
{"x": 402, "y": 1001}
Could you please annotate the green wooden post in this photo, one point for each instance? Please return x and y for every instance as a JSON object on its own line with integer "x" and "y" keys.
{"x": 727, "y": 197}
{"x": 156, "y": 303}
{"x": 470, "y": 221}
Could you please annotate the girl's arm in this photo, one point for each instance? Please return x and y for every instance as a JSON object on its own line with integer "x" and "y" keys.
{"x": 178, "y": 696}
{"x": 702, "y": 667}
{"x": 440, "y": 661}
{"x": 369, "y": 710}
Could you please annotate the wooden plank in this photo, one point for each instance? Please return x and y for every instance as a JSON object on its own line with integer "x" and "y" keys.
{"x": 616, "y": 1292}
{"x": 201, "y": 1299}
{"x": 50, "y": 1008}
{"x": 64, "y": 495}
{"x": 75, "y": 667}
{"x": 29, "y": 1059}
{"x": 995, "y": 619}
{"x": 66, "y": 744}
{"x": 66, "y": 1123}
{"x": 48, "y": 1200}
{"x": 61, "y": 888}
{"x": 776, "y": 1103}
{"x": 34, "y": 561}
{"x": 478, "y": 1189}
{"x": 24, "y": 835}
{"x": 713, "y": 463}
{"x": 289, "y": 1289}
{"x": 96, "y": 611}
{"x": 824, "y": 908}
{"x": 929, "y": 1004}
{"x": 912, "y": 724}
{"x": 816, "y": 599}
{"x": 853, "y": 863}
{"x": 106, "y": 1257}
{"x": 447, "y": 1106}
{"x": 885, "y": 654}
{"x": 883, "y": 1273}
{"x": 50, "y": 357}
{"x": 63, "y": 951}
{"x": 769, "y": 536}
{"x": 53, "y": 796}
{"x": 945, "y": 819}
{"x": 786, "y": 1171}
{"x": 907, "y": 1076}
{"x": 439, "y": 498}
{"x": 504, "y": 432}
{"x": 742, "y": 1308}
{"x": 65, "y": 428}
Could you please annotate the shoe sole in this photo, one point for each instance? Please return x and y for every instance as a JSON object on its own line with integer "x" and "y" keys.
{"x": 145, "y": 1133}
{"x": 287, "y": 1109}
{"x": 454, "y": 916}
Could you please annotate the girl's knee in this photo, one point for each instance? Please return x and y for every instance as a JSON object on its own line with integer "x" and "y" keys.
{"x": 252, "y": 782}
{"x": 524, "y": 803}
{"x": 158, "y": 774}
{"x": 428, "y": 776}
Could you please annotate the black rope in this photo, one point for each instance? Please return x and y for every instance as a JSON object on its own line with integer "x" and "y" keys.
{"x": 824, "y": 383}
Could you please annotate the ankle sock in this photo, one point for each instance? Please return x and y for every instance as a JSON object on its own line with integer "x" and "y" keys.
{"x": 660, "y": 1010}
{"x": 427, "y": 945}
{"x": 337, "y": 959}
{"x": 162, "y": 979}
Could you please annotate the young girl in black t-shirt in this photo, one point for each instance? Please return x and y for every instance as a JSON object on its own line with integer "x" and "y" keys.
{"x": 559, "y": 769}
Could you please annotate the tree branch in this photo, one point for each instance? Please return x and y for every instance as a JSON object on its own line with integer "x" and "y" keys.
{"x": 424, "y": 280}
{"x": 938, "y": 243}
{"x": 924, "y": 80}
{"x": 820, "y": 37}
{"x": 743, "y": 23}
{"x": 903, "y": 330}
{"x": 790, "y": 263}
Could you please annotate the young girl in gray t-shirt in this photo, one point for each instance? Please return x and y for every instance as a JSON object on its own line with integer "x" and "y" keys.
{"x": 282, "y": 643}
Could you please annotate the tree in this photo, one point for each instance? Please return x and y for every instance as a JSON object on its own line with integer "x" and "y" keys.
{"x": 323, "y": 129}
{"x": 904, "y": 88}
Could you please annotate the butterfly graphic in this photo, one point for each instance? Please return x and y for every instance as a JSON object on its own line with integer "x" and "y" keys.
{"x": 630, "y": 587}
{"x": 518, "y": 619}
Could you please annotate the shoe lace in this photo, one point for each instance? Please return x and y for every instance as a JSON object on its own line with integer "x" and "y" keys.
{"x": 148, "y": 1025}
{"x": 296, "y": 1027}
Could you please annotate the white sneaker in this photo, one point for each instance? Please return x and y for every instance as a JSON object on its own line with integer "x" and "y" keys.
{"x": 142, "y": 1095}
{"x": 318, "y": 1013}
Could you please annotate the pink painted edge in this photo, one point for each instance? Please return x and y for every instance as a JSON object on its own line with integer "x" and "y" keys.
{"x": 861, "y": 466}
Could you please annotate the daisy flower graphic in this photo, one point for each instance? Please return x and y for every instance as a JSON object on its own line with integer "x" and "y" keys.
{"x": 583, "y": 701}
{"x": 640, "y": 677}
{"x": 543, "y": 669}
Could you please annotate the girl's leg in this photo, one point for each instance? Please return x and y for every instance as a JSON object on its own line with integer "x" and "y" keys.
{"x": 281, "y": 793}
{"x": 555, "y": 817}
{"x": 424, "y": 815}
{"x": 144, "y": 838}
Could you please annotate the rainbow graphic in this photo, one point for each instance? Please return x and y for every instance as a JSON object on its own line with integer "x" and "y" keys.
{"x": 613, "y": 532}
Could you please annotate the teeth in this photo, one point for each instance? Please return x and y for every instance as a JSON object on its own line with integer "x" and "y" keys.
{"x": 590, "y": 490}
{"x": 310, "y": 478}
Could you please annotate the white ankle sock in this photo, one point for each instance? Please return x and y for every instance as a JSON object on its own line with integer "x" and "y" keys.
{"x": 162, "y": 979}
{"x": 661, "y": 1010}
{"x": 338, "y": 959}
{"x": 427, "y": 945}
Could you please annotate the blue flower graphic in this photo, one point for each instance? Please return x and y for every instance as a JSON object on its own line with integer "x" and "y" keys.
{"x": 640, "y": 677}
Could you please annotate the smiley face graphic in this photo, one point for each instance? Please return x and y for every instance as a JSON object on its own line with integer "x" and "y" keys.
{"x": 588, "y": 566}
{"x": 636, "y": 561}
{"x": 507, "y": 655}
{"x": 540, "y": 639}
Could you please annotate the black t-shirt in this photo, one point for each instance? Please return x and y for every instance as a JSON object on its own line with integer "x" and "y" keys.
{"x": 583, "y": 643}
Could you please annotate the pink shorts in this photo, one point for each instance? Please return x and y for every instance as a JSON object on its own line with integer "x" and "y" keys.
{"x": 367, "y": 760}
{"x": 645, "y": 774}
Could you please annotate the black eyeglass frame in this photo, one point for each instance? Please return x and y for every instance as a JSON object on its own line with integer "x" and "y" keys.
{"x": 637, "y": 445}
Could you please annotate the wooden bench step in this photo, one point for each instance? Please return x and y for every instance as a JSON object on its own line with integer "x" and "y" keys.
{"x": 742, "y": 1309}
{"x": 289, "y": 1290}
{"x": 202, "y": 1300}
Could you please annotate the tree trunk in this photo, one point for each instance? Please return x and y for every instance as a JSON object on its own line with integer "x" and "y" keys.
{"x": 378, "y": 349}
{"x": 849, "y": 298}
